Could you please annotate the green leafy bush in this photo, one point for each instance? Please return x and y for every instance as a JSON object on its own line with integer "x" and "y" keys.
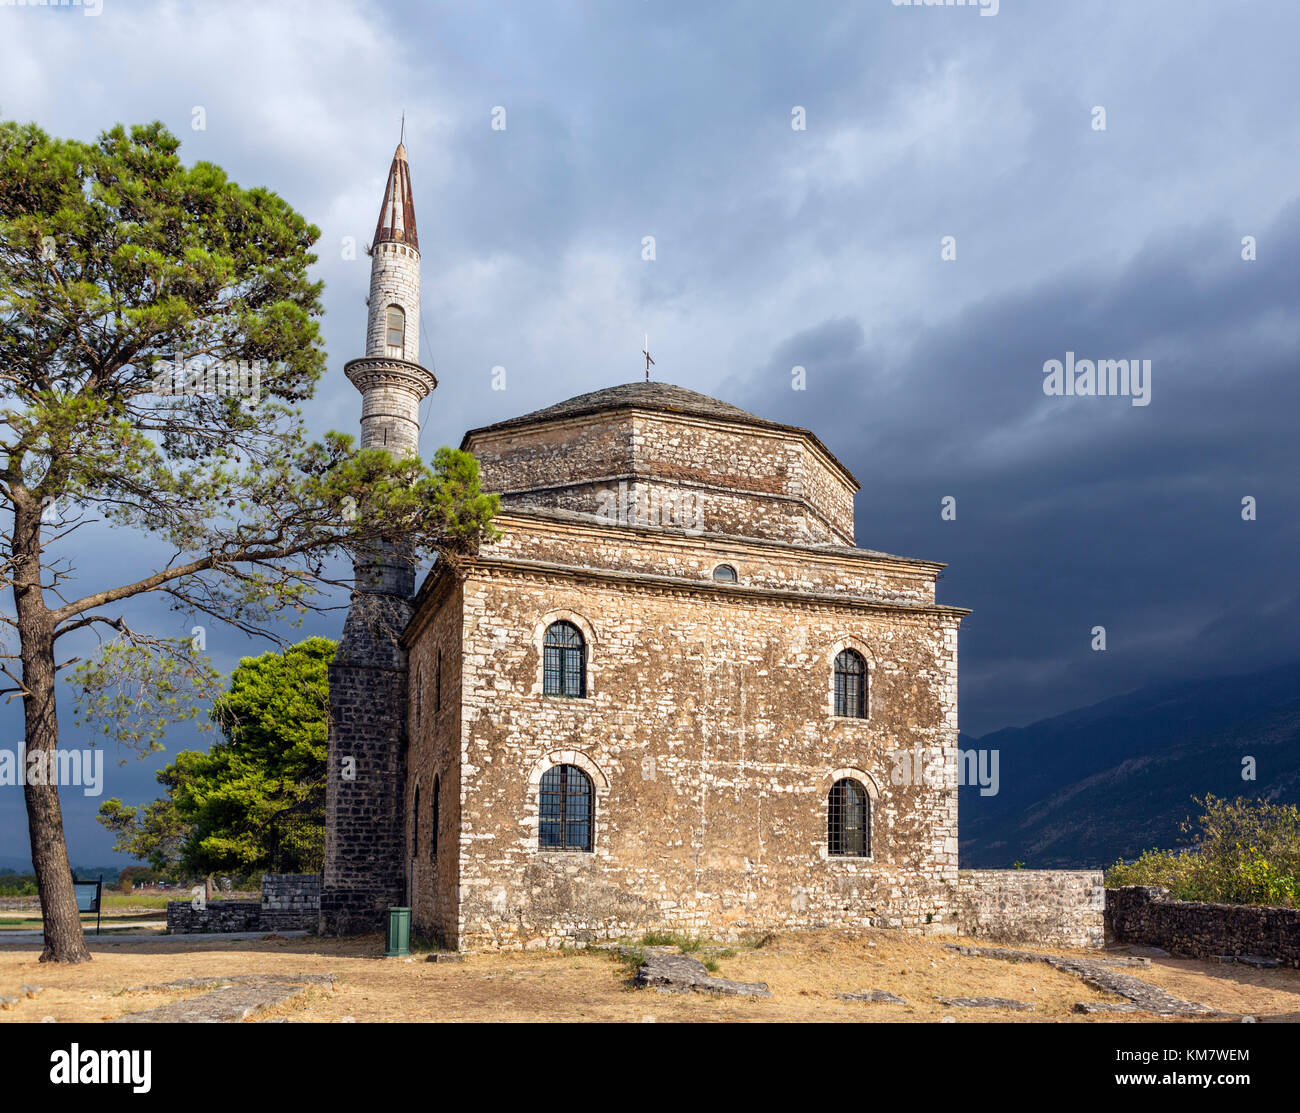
{"x": 18, "y": 885}
{"x": 1242, "y": 851}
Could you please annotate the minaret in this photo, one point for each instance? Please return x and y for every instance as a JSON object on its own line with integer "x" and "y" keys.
{"x": 365, "y": 869}
{"x": 389, "y": 376}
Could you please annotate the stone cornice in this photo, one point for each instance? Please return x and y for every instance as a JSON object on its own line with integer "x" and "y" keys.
{"x": 694, "y": 484}
{"x": 371, "y": 371}
{"x": 760, "y": 547}
{"x": 681, "y": 586}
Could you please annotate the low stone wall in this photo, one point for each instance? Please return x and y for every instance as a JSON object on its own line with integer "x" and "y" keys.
{"x": 1192, "y": 929}
{"x": 1061, "y": 907}
{"x": 219, "y": 915}
{"x": 290, "y": 902}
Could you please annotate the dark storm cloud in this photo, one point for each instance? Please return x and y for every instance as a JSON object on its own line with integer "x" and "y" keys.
{"x": 818, "y": 248}
{"x": 1077, "y": 512}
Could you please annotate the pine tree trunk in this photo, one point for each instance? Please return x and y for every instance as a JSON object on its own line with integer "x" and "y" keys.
{"x": 64, "y": 939}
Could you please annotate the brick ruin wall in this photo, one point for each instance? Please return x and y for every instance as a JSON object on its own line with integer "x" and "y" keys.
{"x": 290, "y": 902}
{"x": 1060, "y": 907}
{"x": 1194, "y": 929}
{"x": 708, "y": 733}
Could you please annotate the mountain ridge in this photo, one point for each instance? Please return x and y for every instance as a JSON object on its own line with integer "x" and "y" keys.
{"x": 1110, "y": 780}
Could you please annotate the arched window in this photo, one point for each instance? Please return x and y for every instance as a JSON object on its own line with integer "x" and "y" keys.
{"x": 396, "y": 331}
{"x": 848, "y": 820}
{"x": 850, "y": 685}
{"x": 433, "y": 823}
{"x": 567, "y": 805}
{"x": 725, "y": 573}
{"x": 564, "y": 665}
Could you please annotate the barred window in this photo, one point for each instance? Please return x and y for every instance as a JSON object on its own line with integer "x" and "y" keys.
{"x": 396, "y": 321}
{"x": 850, "y": 685}
{"x": 564, "y": 665}
{"x": 848, "y": 820}
{"x": 567, "y": 805}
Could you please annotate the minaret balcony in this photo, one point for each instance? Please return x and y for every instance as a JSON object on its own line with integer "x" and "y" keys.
{"x": 369, "y": 372}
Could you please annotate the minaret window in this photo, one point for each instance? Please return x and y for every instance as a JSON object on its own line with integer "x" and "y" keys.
{"x": 396, "y": 331}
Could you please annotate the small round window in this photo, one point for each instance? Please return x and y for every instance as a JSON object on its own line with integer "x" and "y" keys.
{"x": 725, "y": 573}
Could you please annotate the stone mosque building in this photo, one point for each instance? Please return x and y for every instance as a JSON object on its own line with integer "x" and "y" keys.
{"x": 671, "y": 696}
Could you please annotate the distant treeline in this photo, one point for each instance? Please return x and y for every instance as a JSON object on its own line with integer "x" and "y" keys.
{"x": 23, "y": 884}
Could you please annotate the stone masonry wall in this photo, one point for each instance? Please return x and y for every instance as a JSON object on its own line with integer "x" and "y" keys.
{"x": 851, "y": 573}
{"x": 1192, "y": 929}
{"x": 390, "y": 419}
{"x": 290, "y": 902}
{"x": 435, "y": 769}
{"x": 1060, "y": 907}
{"x": 394, "y": 280}
{"x": 218, "y": 915}
{"x": 390, "y": 404}
{"x": 709, "y": 737}
{"x": 746, "y": 459}
{"x": 747, "y": 480}
{"x": 639, "y": 501}
{"x": 365, "y": 786}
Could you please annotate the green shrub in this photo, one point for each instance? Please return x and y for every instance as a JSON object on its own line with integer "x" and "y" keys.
{"x": 1242, "y": 851}
{"x": 18, "y": 885}
{"x": 688, "y": 944}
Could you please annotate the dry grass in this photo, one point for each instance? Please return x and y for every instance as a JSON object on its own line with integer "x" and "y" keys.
{"x": 804, "y": 971}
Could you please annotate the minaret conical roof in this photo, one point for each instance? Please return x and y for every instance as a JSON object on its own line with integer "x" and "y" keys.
{"x": 397, "y": 214}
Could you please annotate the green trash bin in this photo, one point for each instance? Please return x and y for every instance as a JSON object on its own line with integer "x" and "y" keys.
{"x": 399, "y": 933}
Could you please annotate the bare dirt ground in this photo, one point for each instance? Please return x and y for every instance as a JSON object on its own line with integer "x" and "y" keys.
{"x": 804, "y": 971}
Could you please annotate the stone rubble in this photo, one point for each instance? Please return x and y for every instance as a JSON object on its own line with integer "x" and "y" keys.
{"x": 985, "y": 1003}
{"x": 873, "y": 996}
{"x": 1147, "y": 997}
{"x": 683, "y": 974}
{"x": 233, "y": 999}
